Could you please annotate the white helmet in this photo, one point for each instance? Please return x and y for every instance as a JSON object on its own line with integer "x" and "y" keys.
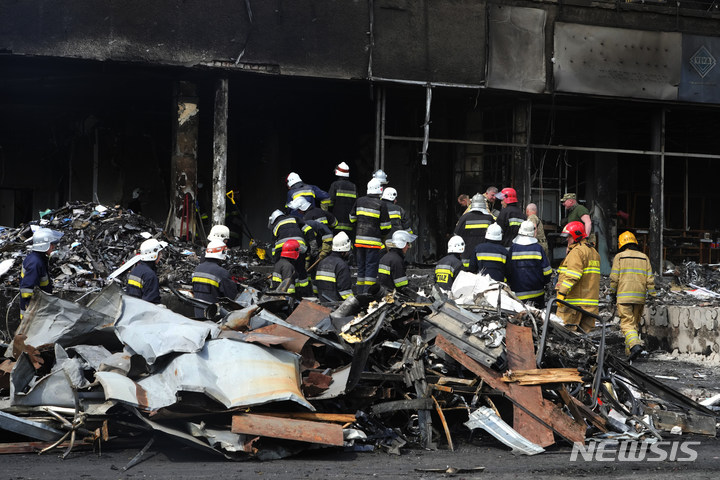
{"x": 494, "y": 232}
{"x": 374, "y": 187}
{"x": 477, "y": 203}
{"x": 219, "y": 232}
{"x": 300, "y": 203}
{"x": 274, "y": 216}
{"x": 389, "y": 194}
{"x": 342, "y": 170}
{"x": 341, "y": 243}
{"x": 401, "y": 238}
{"x": 292, "y": 179}
{"x": 216, "y": 249}
{"x": 150, "y": 249}
{"x": 456, "y": 244}
{"x": 43, "y": 238}
{"x": 382, "y": 176}
{"x": 527, "y": 228}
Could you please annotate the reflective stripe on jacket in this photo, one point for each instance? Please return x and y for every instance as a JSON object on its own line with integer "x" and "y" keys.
{"x": 579, "y": 276}
{"x": 631, "y": 277}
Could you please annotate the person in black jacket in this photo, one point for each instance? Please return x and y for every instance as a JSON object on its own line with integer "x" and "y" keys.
{"x": 343, "y": 194}
{"x": 490, "y": 256}
{"x": 528, "y": 267}
{"x": 285, "y": 227}
{"x": 210, "y": 280}
{"x": 34, "y": 272}
{"x": 332, "y": 277}
{"x": 472, "y": 227}
{"x": 451, "y": 264}
{"x": 284, "y": 275}
{"x": 511, "y": 215}
{"x": 391, "y": 271}
{"x": 143, "y": 281}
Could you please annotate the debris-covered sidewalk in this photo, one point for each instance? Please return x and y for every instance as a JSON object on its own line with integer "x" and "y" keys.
{"x": 267, "y": 376}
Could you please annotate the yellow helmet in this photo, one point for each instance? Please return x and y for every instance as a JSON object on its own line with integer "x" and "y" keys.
{"x": 625, "y": 238}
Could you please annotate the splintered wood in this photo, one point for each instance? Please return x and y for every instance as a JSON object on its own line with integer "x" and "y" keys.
{"x": 542, "y": 376}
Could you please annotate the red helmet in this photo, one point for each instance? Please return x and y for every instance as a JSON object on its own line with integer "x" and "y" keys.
{"x": 576, "y": 230}
{"x": 509, "y": 195}
{"x": 290, "y": 249}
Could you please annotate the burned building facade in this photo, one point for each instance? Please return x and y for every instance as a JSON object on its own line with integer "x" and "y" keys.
{"x": 167, "y": 106}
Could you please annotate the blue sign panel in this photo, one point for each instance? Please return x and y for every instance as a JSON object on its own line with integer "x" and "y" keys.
{"x": 700, "y": 69}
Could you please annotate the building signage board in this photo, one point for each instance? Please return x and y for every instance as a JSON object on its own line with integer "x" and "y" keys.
{"x": 700, "y": 69}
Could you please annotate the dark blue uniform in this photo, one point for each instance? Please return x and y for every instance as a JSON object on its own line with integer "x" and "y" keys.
{"x": 143, "y": 282}
{"x": 447, "y": 269}
{"x": 210, "y": 281}
{"x": 490, "y": 259}
{"x": 310, "y": 192}
{"x": 472, "y": 227}
{"x": 528, "y": 272}
{"x": 332, "y": 279}
{"x": 509, "y": 220}
{"x": 343, "y": 194}
{"x": 391, "y": 271}
{"x": 34, "y": 273}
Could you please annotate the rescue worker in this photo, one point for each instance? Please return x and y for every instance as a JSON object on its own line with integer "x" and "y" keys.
{"x": 631, "y": 279}
{"x": 578, "y": 279}
{"x": 370, "y": 217}
{"x": 577, "y": 212}
{"x": 343, "y": 194}
{"x": 511, "y": 216}
{"x": 332, "y": 278}
{"x": 391, "y": 272}
{"x": 531, "y": 214}
{"x": 472, "y": 227}
{"x": 143, "y": 281}
{"x": 490, "y": 257}
{"x": 219, "y": 232}
{"x": 399, "y": 219}
{"x": 34, "y": 271}
{"x": 451, "y": 264}
{"x": 296, "y": 188}
{"x": 320, "y": 240}
{"x": 210, "y": 280}
{"x": 528, "y": 268}
{"x": 285, "y": 276}
{"x": 284, "y": 228}
{"x": 489, "y": 197}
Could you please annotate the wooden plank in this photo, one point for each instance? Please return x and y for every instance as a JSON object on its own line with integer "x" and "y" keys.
{"x": 521, "y": 354}
{"x": 542, "y": 376}
{"x": 312, "y": 416}
{"x": 689, "y": 422}
{"x": 288, "y": 428}
{"x": 35, "y": 447}
{"x": 545, "y": 411}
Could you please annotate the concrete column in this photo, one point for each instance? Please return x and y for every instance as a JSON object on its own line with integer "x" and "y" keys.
{"x": 522, "y": 179}
{"x": 220, "y": 152}
{"x": 183, "y": 169}
{"x": 657, "y": 181}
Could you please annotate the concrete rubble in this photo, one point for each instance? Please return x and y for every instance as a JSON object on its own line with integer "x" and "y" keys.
{"x": 266, "y": 376}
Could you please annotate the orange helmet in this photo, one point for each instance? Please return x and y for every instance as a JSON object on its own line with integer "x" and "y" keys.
{"x": 576, "y": 230}
{"x": 508, "y": 194}
{"x": 290, "y": 249}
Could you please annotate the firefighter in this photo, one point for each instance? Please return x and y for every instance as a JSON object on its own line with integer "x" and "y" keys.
{"x": 320, "y": 240}
{"x": 343, "y": 194}
{"x": 528, "y": 267}
{"x": 511, "y": 216}
{"x": 210, "y": 280}
{"x": 451, "y": 264}
{"x": 34, "y": 272}
{"x": 391, "y": 271}
{"x": 371, "y": 219}
{"x": 490, "y": 257}
{"x": 332, "y": 277}
{"x": 631, "y": 279}
{"x": 219, "y": 232}
{"x": 472, "y": 227}
{"x": 296, "y": 188}
{"x": 578, "y": 279}
{"x": 285, "y": 273}
{"x": 143, "y": 281}
{"x": 399, "y": 219}
{"x": 284, "y": 228}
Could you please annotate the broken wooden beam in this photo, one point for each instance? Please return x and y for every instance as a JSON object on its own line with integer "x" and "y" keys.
{"x": 541, "y": 376}
{"x": 312, "y": 416}
{"x": 544, "y": 411}
{"x": 688, "y": 422}
{"x": 288, "y": 428}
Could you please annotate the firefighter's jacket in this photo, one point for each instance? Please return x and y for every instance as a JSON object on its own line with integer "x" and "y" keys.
{"x": 211, "y": 281}
{"x": 287, "y": 227}
{"x": 490, "y": 259}
{"x": 34, "y": 273}
{"x": 313, "y": 194}
{"x": 579, "y": 276}
{"x": 284, "y": 274}
{"x": 528, "y": 270}
{"x": 332, "y": 279}
{"x": 399, "y": 219}
{"x": 631, "y": 277}
{"x": 509, "y": 220}
{"x": 371, "y": 219}
{"x": 446, "y": 269}
{"x": 391, "y": 271}
{"x": 472, "y": 227}
{"x": 322, "y": 216}
{"x": 343, "y": 194}
{"x": 143, "y": 282}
